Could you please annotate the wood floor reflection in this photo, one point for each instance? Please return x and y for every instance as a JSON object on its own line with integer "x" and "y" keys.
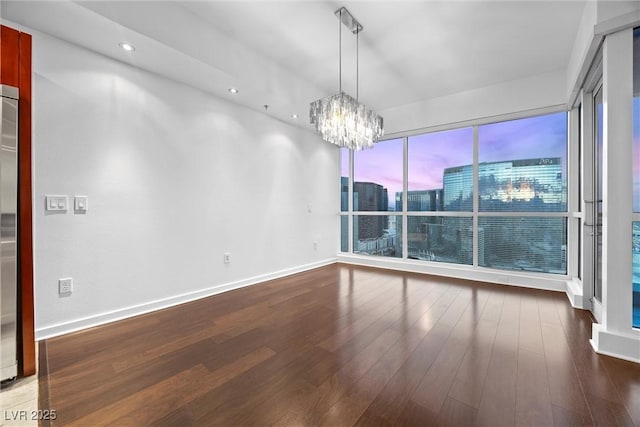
{"x": 344, "y": 345}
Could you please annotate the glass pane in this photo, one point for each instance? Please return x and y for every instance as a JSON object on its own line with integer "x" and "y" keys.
{"x": 636, "y": 177}
{"x": 344, "y": 179}
{"x": 377, "y": 235}
{"x": 523, "y": 243}
{"x": 440, "y": 171}
{"x": 378, "y": 176}
{"x": 523, "y": 165}
{"x": 344, "y": 233}
{"x": 636, "y": 275}
{"x": 597, "y": 205}
{"x": 440, "y": 238}
{"x": 636, "y": 120}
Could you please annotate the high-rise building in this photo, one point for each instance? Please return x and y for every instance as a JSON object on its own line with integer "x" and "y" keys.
{"x": 344, "y": 193}
{"x": 513, "y": 185}
{"x": 424, "y": 234}
{"x": 371, "y": 197}
{"x": 458, "y": 188}
{"x": 522, "y": 185}
{"x": 465, "y": 243}
{"x": 422, "y": 200}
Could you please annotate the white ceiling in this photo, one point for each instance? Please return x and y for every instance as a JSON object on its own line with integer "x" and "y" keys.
{"x": 285, "y": 54}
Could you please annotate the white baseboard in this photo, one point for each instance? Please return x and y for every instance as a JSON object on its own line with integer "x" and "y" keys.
{"x": 514, "y": 278}
{"x": 615, "y": 344}
{"x": 136, "y": 310}
{"x": 575, "y": 294}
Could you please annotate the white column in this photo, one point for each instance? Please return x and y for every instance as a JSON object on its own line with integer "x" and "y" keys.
{"x": 614, "y": 335}
{"x": 574, "y": 284}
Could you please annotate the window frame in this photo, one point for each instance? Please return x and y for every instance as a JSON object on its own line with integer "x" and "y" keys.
{"x": 571, "y": 211}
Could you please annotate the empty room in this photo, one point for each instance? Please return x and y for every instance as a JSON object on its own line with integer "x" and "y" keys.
{"x": 319, "y": 213}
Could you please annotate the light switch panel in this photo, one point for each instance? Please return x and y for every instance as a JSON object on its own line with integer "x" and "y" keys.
{"x": 57, "y": 203}
{"x": 81, "y": 203}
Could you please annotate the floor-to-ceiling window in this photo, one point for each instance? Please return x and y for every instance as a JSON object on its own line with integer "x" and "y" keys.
{"x": 377, "y": 182}
{"x": 522, "y": 181}
{"x": 491, "y": 195}
{"x": 636, "y": 179}
{"x": 440, "y": 196}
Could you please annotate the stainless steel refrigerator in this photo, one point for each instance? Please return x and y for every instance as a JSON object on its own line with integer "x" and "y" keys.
{"x": 8, "y": 231}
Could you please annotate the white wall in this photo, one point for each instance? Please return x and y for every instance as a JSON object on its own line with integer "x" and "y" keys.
{"x": 599, "y": 18}
{"x": 611, "y": 10}
{"x": 516, "y": 96}
{"x": 583, "y": 49}
{"x": 175, "y": 178}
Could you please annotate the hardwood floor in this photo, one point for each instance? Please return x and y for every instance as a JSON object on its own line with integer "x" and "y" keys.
{"x": 344, "y": 345}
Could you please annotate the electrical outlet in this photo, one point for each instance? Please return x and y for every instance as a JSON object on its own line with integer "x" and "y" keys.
{"x": 226, "y": 257}
{"x": 65, "y": 286}
{"x": 315, "y": 245}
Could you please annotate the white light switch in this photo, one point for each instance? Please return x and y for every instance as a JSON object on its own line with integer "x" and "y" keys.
{"x": 81, "y": 203}
{"x": 57, "y": 203}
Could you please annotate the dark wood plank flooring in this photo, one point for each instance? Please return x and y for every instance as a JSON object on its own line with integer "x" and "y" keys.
{"x": 344, "y": 346}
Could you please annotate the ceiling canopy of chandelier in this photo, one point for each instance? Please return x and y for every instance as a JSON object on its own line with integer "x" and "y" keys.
{"x": 340, "y": 118}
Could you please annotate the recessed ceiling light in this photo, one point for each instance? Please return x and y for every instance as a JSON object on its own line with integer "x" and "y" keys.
{"x": 126, "y": 46}
{"x": 233, "y": 90}
{"x": 294, "y": 116}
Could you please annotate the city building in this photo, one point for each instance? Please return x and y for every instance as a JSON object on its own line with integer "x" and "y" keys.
{"x": 519, "y": 185}
{"x": 368, "y": 196}
{"x": 422, "y": 200}
{"x": 523, "y": 185}
{"x": 458, "y": 188}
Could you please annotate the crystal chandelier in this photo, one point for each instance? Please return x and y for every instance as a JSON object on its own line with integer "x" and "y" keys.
{"x": 340, "y": 118}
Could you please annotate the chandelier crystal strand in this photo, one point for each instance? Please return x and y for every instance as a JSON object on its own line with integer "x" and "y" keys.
{"x": 341, "y": 119}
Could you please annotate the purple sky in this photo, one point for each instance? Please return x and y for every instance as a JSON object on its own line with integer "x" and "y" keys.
{"x": 430, "y": 154}
{"x": 382, "y": 165}
{"x": 530, "y": 138}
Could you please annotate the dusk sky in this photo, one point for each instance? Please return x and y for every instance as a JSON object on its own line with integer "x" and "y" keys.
{"x": 530, "y": 138}
{"x": 382, "y": 165}
{"x": 430, "y": 154}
